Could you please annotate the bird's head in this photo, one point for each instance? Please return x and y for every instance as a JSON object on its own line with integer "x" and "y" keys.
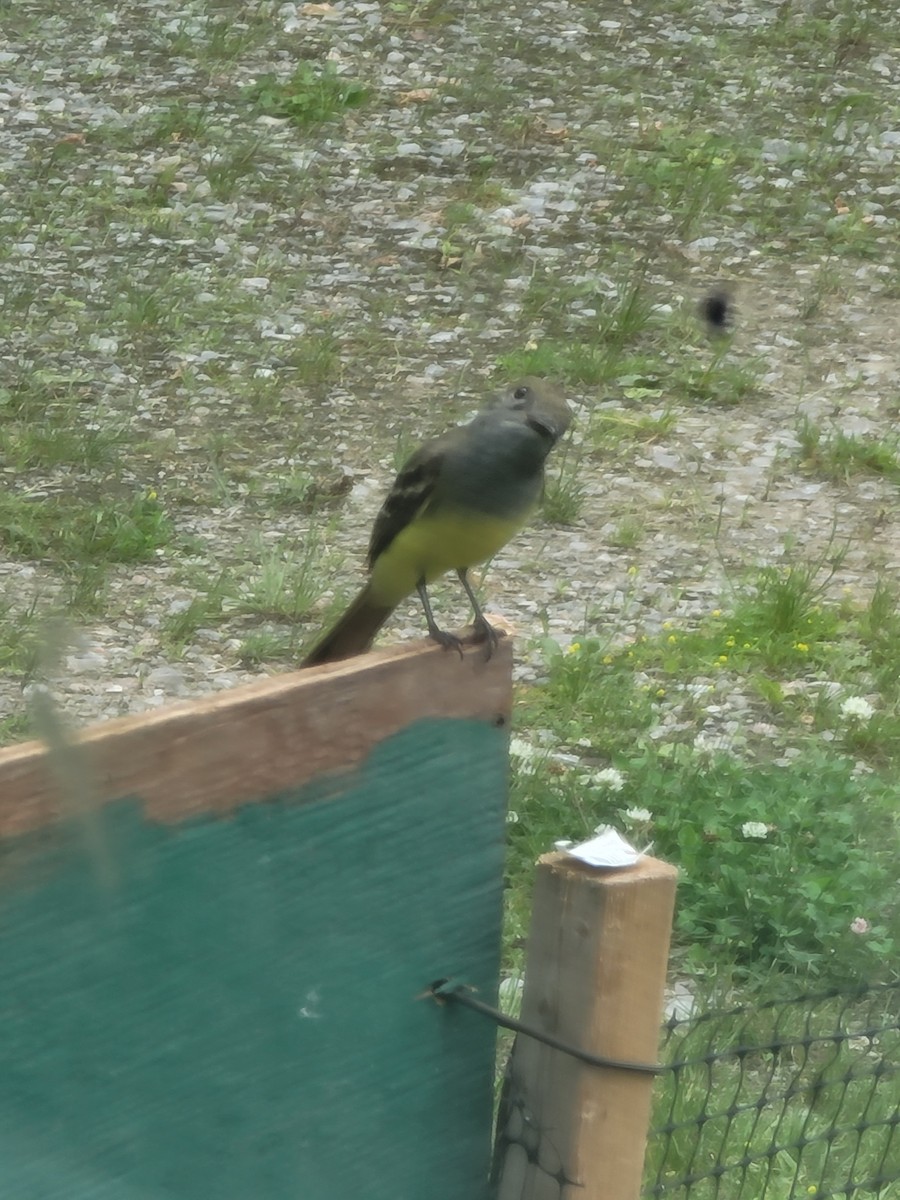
{"x": 542, "y": 405}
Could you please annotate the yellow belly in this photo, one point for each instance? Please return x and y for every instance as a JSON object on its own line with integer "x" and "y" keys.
{"x": 434, "y": 544}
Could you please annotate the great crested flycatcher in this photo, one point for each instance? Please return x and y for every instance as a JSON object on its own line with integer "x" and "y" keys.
{"x": 455, "y": 503}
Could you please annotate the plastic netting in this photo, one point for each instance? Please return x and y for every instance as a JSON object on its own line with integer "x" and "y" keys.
{"x": 786, "y": 1099}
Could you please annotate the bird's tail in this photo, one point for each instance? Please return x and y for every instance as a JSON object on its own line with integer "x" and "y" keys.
{"x": 353, "y": 633}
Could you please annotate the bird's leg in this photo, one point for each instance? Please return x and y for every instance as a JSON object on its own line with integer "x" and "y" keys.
{"x": 484, "y": 631}
{"x": 448, "y": 640}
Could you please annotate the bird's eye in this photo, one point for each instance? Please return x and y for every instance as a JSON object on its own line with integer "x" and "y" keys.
{"x": 520, "y": 393}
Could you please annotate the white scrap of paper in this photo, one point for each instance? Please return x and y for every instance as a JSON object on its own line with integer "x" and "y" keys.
{"x": 607, "y": 848}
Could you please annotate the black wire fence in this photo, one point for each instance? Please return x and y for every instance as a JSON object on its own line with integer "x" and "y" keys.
{"x": 781, "y": 1100}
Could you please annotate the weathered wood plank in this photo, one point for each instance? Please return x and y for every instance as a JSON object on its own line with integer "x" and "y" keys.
{"x": 211, "y": 754}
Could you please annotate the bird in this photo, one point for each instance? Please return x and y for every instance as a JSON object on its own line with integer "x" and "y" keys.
{"x": 455, "y": 503}
{"x": 717, "y": 311}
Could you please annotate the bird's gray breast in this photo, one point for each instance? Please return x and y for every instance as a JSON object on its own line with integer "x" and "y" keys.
{"x": 497, "y": 469}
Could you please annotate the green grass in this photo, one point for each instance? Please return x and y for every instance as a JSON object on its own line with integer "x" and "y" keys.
{"x": 751, "y": 810}
{"x": 203, "y": 610}
{"x": 628, "y": 343}
{"x": 19, "y": 641}
{"x": 264, "y": 646}
{"x": 278, "y": 586}
{"x": 686, "y": 172}
{"x": 311, "y": 94}
{"x": 285, "y": 583}
{"x": 73, "y": 530}
{"x": 564, "y": 487}
{"x": 841, "y": 455}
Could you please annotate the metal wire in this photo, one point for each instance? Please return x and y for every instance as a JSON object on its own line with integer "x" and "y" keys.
{"x": 448, "y": 989}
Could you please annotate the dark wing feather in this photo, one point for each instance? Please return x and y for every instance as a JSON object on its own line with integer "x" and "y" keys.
{"x": 411, "y": 492}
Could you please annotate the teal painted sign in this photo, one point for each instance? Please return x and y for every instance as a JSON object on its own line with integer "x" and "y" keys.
{"x": 237, "y": 1015}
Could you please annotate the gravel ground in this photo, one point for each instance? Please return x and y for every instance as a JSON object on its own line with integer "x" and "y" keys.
{"x": 236, "y": 303}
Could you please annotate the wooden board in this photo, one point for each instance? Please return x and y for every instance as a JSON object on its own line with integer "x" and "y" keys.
{"x": 236, "y": 1009}
{"x": 213, "y": 754}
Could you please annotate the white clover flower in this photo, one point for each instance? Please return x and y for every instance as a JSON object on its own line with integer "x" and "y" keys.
{"x": 641, "y": 815}
{"x": 755, "y": 829}
{"x": 859, "y": 925}
{"x": 525, "y": 753}
{"x": 609, "y": 778}
{"x": 857, "y": 708}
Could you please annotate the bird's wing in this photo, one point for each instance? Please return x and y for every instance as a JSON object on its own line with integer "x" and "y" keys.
{"x": 410, "y": 494}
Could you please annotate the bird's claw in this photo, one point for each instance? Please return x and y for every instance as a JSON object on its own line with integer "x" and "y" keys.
{"x": 448, "y": 640}
{"x": 486, "y": 635}
{"x": 482, "y": 634}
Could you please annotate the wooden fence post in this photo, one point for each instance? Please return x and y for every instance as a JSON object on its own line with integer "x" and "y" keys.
{"x": 595, "y": 978}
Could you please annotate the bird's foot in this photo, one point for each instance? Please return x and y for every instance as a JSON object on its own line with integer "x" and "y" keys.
{"x": 448, "y": 640}
{"x": 484, "y": 634}
{"x": 480, "y": 634}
